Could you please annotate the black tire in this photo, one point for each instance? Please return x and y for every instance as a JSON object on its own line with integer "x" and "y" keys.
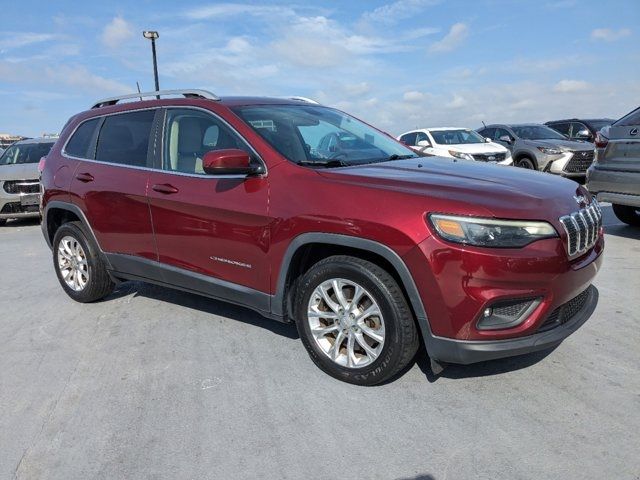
{"x": 3, "y": 221}
{"x": 526, "y": 163}
{"x": 99, "y": 284}
{"x": 401, "y": 335}
{"x": 627, "y": 214}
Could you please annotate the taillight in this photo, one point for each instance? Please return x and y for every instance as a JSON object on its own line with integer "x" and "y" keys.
{"x": 41, "y": 163}
{"x": 601, "y": 140}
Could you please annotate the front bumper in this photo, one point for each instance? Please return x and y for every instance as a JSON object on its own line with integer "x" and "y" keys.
{"x": 449, "y": 350}
{"x": 19, "y": 205}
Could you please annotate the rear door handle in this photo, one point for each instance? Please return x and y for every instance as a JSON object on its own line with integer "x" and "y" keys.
{"x": 85, "y": 177}
{"x": 165, "y": 188}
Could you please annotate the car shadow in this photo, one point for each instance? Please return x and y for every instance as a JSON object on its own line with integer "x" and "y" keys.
{"x": 202, "y": 304}
{"x": 613, "y": 226}
{"x": 22, "y": 222}
{"x": 481, "y": 369}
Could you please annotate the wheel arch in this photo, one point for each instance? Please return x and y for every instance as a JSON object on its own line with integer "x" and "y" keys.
{"x": 57, "y": 213}
{"x": 525, "y": 154}
{"x": 308, "y": 248}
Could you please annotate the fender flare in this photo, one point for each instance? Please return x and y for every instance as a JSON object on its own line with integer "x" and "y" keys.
{"x": 277, "y": 301}
{"x": 70, "y": 207}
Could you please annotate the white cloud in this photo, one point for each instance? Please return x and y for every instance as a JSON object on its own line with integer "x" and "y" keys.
{"x": 458, "y": 101}
{"x": 116, "y": 32}
{"x": 357, "y": 89}
{"x": 452, "y": 40}
{"x": 570, "y": 86}
{"x": 12, "y": 40}
{"x": 413, "y": 96}
{"x": 221, "y": 10}
{"x": 398, "y": 10}
{"x": 70, "y": 77}
{"x": 609, "y": 35}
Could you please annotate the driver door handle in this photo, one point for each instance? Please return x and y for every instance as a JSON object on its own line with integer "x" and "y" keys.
{"x": 84, "y": 177}
{"x": 165, "y": 188}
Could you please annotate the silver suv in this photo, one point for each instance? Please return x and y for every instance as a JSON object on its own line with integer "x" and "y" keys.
{"x": 615, "y": 175}
{"x": 19, "y": 178}
{"x": 538, "y": 147}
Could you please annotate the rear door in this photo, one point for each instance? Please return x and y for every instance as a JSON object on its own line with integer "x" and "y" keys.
{"x": 212, "y": 225}
{"x": 623, "y": 150}
{"x": 110, "y": 181}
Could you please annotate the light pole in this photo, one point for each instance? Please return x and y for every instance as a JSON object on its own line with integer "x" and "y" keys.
{"x": 153, "y": 35}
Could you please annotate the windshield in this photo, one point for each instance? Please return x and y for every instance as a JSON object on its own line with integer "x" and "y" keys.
{"x": 312, "y": 135}
{"x": 25, "y": 153}
{"x": 537, "y": 132}
{"x": 456, "y": 137}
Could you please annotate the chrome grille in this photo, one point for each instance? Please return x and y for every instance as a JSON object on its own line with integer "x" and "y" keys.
{"x": 582, "y": 228}
{"x": 580, "y": 162}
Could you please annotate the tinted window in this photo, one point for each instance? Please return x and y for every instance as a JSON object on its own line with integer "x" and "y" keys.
{"x": 537, "y": 132}
{"x": 456, "y": 137}
{"x": 81, "y": 140}
{"x": 409, "y": 139}
{"x": 19, "y": 153}
{"x": 124, "y": 138}
{"x": 189, "y": 135}
{"x": 487, "y": 132}
{"x": 563, "y": 128}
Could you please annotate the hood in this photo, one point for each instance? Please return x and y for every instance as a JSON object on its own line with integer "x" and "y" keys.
{"x": 473, "y": 188}
{"x": 474, "y": 147}
{"x": 565, "y": 144}
{"x": 21, "y": 171}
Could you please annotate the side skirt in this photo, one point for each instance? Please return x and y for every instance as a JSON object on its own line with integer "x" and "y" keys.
{"x": 135, "y": 268}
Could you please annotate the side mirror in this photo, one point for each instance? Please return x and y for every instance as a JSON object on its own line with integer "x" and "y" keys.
{"x": 487, "y": 140}
{"x": 583, "y": 134}
{"x": 424, "y": 143}
{"x": 231, "y": 161}
{"x": 506, "y": 139}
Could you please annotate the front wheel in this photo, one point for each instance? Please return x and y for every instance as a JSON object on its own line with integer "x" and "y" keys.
{"x": 627, "y": 214}
{"x": 79, "y": 266}
{"x": 3, "y": 221}
{"x": 525, "y": 163}
{"x": 354, "y": 320}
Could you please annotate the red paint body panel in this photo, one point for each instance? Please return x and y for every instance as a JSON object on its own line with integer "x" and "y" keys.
{"x": 254, "y": 220}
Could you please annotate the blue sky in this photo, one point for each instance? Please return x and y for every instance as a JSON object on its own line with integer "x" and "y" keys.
{"x": 396, "y": 64}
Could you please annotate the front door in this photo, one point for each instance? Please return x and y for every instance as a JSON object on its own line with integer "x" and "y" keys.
{"x": 212, "y": 226}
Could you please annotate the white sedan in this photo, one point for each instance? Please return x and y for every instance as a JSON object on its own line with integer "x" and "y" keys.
{"x": 460, "y": 143}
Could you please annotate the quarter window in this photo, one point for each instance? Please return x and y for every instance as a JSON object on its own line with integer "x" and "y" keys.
{"x": 81, "y": 141}
{"x": 124, "y": 138}
{"x": 189, "y": 134}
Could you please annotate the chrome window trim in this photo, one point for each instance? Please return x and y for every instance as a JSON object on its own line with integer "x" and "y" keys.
{"x": 163, "y": 107}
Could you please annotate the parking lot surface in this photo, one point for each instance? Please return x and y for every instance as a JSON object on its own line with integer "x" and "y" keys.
{"x": 154, "y": 383}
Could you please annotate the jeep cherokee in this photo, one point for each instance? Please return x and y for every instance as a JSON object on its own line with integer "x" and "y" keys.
{"x": 366, "y": 249}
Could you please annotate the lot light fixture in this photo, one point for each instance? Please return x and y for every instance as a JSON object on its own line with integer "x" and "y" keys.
{"x": 153, "y": 36}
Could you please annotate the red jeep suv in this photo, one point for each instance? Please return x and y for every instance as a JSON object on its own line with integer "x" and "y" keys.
{"x": 308, "y": 215}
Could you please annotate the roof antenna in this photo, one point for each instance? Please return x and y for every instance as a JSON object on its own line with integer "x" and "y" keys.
{"x": 483, "y": 124}
{"x": 138, "y": 85}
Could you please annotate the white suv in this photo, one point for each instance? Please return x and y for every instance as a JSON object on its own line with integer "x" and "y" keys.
{"x": 460, "y": 143}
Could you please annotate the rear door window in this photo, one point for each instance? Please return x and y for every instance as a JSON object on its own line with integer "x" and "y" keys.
{"x": 124, "y": 138}
{"x": 81, "y": 144}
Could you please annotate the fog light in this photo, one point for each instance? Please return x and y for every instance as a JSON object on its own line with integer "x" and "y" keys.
{"x": 507, "y": 313}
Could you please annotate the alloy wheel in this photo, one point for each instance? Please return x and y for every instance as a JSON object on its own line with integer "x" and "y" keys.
{"x": 72, "y": 262}
{"x": 346, "y": 323}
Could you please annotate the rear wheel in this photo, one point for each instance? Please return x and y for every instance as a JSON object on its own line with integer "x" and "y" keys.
{"x": 627, "y": 214}
{"x": 354, "y": 320}
{"x": 79, "y": 266}
{"x": 525, "y": 162}
{"x": 3, "y": 221}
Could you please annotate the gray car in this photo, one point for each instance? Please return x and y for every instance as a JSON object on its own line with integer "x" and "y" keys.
{"x": 615, "y": 175}
{"x": 19, "y": 178}
{"x": 538, "y": 147}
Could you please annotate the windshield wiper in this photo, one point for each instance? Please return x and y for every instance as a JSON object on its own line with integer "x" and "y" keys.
{"x": 395, "y": 156}
{"x": 323, "y": 163}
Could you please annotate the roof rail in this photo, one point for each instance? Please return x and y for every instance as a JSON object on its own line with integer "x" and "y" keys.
{"x": 304, "y": 99}
{"x": 160, "y": 93}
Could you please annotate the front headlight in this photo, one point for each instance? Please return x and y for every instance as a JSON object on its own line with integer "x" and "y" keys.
{"x": 489, "y": 232}
{"x": 464, "y": 156}
{"x": 550, "y": 151}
